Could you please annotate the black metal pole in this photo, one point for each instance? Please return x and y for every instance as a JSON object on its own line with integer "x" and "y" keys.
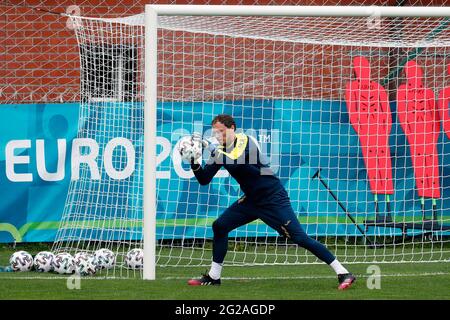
{"x": 317, "y": 174}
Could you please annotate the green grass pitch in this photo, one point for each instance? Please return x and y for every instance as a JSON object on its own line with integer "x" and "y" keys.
{"x": 310, "y": 282}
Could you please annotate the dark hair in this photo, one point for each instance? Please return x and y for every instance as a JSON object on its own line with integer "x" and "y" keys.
{"x": 224, "y": 119}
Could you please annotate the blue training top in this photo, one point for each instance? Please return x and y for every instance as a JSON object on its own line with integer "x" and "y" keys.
{"x": 247, "y": 165}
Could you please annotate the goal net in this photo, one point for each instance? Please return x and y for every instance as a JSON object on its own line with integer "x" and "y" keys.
{"x": 352, "y": 112}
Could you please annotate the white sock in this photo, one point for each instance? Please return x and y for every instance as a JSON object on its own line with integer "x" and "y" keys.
{"x": 215, "y": 271}
{"x": 338, "y": 267}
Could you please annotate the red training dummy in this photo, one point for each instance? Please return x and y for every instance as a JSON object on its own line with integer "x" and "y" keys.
{"x": 419, "y": 120}
{"x": 370, "y": 116}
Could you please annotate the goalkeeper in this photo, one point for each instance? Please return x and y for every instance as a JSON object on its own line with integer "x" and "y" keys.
{"x": 264, "y": 198}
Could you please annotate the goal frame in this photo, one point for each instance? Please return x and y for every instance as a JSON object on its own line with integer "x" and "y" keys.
{"x": 150, "y": 94}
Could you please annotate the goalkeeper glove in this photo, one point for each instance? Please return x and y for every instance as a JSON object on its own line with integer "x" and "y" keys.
{"x": 210, "y": 144}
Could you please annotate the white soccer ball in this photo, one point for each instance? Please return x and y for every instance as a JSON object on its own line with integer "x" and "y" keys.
{"x": 135, "y": 259}
{"x": 104, "y": 259}
{"x": 84, "y": 264}
{"x": 190, "y": 149}
{"x": 83, "y": 256}
{"x": 63, "y": 263}
{"x": 21, "y": 261}
{"x": 43, "y": 261}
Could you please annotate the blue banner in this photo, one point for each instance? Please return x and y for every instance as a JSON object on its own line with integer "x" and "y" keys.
{"x": 30, "y": 211}
{"x": 299, "y": 136}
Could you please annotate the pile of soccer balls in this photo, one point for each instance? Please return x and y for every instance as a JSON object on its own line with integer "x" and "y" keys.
{"x": 82, "y": 263}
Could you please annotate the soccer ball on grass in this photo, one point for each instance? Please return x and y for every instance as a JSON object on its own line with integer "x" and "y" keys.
{"x": 63, "y": 263}
{"x": 104, "y": 259}
{"x": 21, "y": 261}
{"x": 84, "y": 264}
{"x": 135, "y": 259}
{"x": 43, "y": 261}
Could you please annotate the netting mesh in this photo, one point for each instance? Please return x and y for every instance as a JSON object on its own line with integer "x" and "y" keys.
{"x": 294, "y": 94}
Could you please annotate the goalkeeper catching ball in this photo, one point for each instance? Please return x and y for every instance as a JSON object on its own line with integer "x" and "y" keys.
{"x": 264, "y": 198}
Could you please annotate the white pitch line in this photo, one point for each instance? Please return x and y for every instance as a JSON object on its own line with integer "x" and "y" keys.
{"x": 323, "y": 277}
{"x": 393, "y": 275}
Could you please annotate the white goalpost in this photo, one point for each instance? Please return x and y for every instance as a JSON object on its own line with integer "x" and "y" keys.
{"x": 348, "y": 103}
